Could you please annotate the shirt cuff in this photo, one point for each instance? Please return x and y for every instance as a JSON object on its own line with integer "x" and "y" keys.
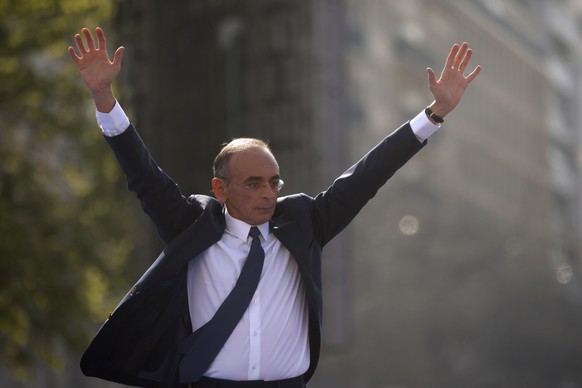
{"x": 422, "y": 127}
{"x": 113, "y": 123}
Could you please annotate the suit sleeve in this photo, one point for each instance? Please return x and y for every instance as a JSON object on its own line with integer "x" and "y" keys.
{"x": 160, "y": 197}
{"x": 336, "y": 207}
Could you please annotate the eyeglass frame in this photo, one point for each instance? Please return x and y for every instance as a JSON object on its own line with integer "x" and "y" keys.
{"x": 256, "y": 186}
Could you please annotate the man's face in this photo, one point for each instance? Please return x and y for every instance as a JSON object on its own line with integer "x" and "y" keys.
{"x": 254, "y": 167}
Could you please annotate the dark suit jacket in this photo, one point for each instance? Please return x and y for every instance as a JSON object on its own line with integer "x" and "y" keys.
{"x": 140, "y": 343}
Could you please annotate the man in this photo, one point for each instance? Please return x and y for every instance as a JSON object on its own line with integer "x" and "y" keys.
{"x": 194, "y": 318}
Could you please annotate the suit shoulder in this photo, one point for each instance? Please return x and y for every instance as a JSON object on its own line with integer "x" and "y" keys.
{"x": 204, "y": 201}
{"x": 299, "y": 199}
{"x": 294, "y": 205}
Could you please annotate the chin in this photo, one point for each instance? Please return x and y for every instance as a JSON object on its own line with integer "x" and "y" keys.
{"x": 264, "y": 217}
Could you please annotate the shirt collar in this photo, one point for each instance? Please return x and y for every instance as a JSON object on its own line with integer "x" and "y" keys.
{"x": 240, "y": 229}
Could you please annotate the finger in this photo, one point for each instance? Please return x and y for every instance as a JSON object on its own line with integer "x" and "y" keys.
{"x": 465, "y": 60}
{"x": 89, "y": 39}
{"x": 460, "y": 55}
{"x": 451, "y": 57}
{"x": 74, "y": 55}
{"x": 101, "y": 41}
{"x": 80, "y": 44}
{"x": 473, "y": 74}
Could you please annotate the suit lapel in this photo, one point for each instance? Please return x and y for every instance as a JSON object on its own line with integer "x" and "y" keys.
{"x": 195, "y": 239}
{"x": 289, "y": 232}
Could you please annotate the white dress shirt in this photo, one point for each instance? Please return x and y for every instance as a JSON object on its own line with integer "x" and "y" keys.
{"x": 271, "y": 341}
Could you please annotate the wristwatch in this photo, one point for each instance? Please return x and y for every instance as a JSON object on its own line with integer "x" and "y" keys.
{"x": 433, "y": 116}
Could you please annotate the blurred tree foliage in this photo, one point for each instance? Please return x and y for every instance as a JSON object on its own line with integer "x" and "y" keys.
{"x": 64, "y": 218}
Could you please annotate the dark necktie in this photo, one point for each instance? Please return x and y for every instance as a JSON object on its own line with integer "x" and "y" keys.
{"x": 202, "y": 346}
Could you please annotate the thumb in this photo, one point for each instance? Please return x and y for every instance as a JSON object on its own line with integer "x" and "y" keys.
{"x": 432, "y": 81}
{"x": 118, "y": 56}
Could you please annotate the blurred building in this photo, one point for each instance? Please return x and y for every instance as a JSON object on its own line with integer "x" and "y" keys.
{"x": 466, "y": 267}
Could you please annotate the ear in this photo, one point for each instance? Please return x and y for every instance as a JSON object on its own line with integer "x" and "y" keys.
{"x": 220, "y": 190}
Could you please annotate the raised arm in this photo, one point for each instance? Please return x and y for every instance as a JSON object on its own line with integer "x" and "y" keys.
{"x": 450, "y": 87}
{"x": 336, "y": 207}
{"x": 97, "y": 71}
{"x": 160, "y": 197}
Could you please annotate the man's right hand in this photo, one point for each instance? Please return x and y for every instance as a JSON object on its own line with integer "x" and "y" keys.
{"x": 97, "y": 71}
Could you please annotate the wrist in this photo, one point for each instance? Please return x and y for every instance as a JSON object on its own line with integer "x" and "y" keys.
{"x": 436, "y": 112}
{"x": 439, "y": 109}
{"x": 104, "y": 100}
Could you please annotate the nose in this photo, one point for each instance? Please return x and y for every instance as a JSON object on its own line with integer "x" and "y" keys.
{"x": 267, "y": 191}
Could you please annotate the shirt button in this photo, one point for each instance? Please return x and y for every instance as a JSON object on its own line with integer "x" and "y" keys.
{"x": 254, "y": 367}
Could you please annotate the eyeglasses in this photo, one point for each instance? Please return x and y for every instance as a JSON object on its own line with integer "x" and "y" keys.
{"x": 275, "y": 184}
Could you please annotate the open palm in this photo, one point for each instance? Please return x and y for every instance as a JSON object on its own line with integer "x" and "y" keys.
{"x": 97, "y": 71}
{"x": 451, "y": 85}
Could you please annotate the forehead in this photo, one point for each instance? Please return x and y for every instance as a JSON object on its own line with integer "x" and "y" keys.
{"x": 253, "y": 162}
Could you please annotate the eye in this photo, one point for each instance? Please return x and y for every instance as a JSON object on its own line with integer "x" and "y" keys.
{"x": 253, "y": 185}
